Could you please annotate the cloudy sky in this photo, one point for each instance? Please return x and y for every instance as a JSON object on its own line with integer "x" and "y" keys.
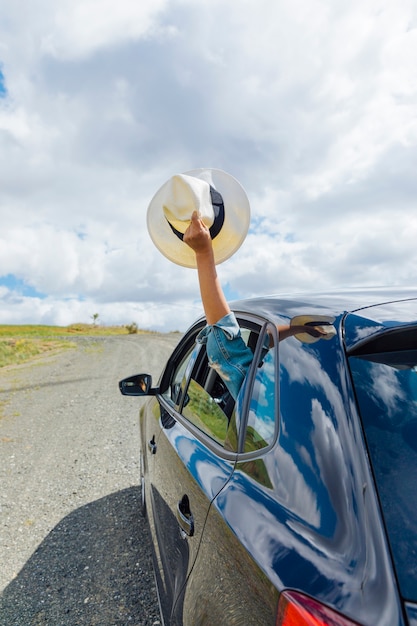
{"x": 310, "y": 104}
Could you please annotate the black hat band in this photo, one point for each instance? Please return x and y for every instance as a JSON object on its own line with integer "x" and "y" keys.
{"x": 218, "y": 210}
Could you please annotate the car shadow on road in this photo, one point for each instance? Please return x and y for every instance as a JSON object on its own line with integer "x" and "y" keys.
{"x": 94, "y": 568}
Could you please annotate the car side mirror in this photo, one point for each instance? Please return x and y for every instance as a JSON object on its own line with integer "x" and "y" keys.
{"x": 138, "y": 385}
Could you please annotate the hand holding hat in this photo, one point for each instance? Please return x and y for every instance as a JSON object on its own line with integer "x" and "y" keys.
{"x": 197, "y": 235}
{"x": 218, "y": 200}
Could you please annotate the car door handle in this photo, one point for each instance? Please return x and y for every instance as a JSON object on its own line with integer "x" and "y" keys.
{"x": 185, "y": 517}
{"x": 152, "y": 445}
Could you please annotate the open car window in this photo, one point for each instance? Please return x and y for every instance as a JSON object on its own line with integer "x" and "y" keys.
{"x": 174, "y": 391}
{"x": 179, "y": 367}
{"x": 208, "y": 404}
{"x": 198, "y": 392}
{"x": 206, "y": 411}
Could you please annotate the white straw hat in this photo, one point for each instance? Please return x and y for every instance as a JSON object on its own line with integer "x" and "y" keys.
{"x": 219, "y": 199}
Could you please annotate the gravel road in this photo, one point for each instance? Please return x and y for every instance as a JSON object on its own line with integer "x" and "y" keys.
{"x": 74, "y": 549}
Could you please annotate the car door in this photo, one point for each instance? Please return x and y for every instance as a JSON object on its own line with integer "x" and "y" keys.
{"x": 189, "y": 460}
{"x": 227, "y": 585}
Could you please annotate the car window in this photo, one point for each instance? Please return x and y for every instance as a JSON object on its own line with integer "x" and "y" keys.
{"x": 386, "y": 389}
{"x": 207, "y": 402}
{"x": 204, "y": 411}
{"x": 261, "y": 424}
{"x": 180, "y": 374}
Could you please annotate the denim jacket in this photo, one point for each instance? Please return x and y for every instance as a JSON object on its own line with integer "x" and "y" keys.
{"x": 227, "y": 352}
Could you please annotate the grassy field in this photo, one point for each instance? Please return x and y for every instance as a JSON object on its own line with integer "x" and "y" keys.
{"x": 22, "y": 343}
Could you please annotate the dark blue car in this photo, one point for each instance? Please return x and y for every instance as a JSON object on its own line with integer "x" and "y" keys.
{"x": 296, "y": 504}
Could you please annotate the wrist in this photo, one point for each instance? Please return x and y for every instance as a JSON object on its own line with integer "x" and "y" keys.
{"x": 205, "y": 253}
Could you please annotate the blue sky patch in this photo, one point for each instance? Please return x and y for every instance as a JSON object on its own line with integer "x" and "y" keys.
{"x": 19, "y": 286}
{"x": 230, "y": 293}
{"x": 2, "y": 86}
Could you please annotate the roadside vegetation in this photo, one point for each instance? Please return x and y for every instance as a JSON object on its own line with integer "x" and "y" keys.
{"x": 22, "y": 343}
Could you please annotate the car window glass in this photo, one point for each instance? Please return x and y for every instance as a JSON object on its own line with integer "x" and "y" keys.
{"x": 386, "y": 389}
{"x": 174, "y": 390}
{"x": 261, "y": 425}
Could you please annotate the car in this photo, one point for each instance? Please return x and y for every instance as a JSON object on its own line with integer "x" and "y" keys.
{"x": 296, "y": 503}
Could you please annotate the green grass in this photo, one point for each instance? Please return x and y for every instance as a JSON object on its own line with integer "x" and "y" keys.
{"x": 18, "y": 350}
{"x": 61, "y": 331}
{"x": 205, "y": 413}
{"x": 23, "y": 343}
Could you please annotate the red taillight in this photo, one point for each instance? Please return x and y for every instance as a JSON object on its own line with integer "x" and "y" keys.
{"x": 296, "y": 609}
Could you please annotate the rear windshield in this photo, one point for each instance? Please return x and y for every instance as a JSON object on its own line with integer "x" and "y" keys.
{"x": 386, "y": 388}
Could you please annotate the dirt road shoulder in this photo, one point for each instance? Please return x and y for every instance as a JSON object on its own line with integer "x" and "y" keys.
{"x": 72, "y": 545}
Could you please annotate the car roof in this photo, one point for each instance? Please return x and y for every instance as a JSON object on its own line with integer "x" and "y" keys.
{"x": 362, "y": 312}
{"x": 333, "y": 303}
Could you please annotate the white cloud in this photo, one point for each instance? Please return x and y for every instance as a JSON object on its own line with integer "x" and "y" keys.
{"x": 310, "y": 105}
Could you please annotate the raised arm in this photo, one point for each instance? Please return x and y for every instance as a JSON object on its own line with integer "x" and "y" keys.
{"x": 197, "y": 236}
{"x": 215, "y": 305}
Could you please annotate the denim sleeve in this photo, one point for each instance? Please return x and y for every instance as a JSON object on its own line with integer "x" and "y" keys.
{"x": 227, "y": 352}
